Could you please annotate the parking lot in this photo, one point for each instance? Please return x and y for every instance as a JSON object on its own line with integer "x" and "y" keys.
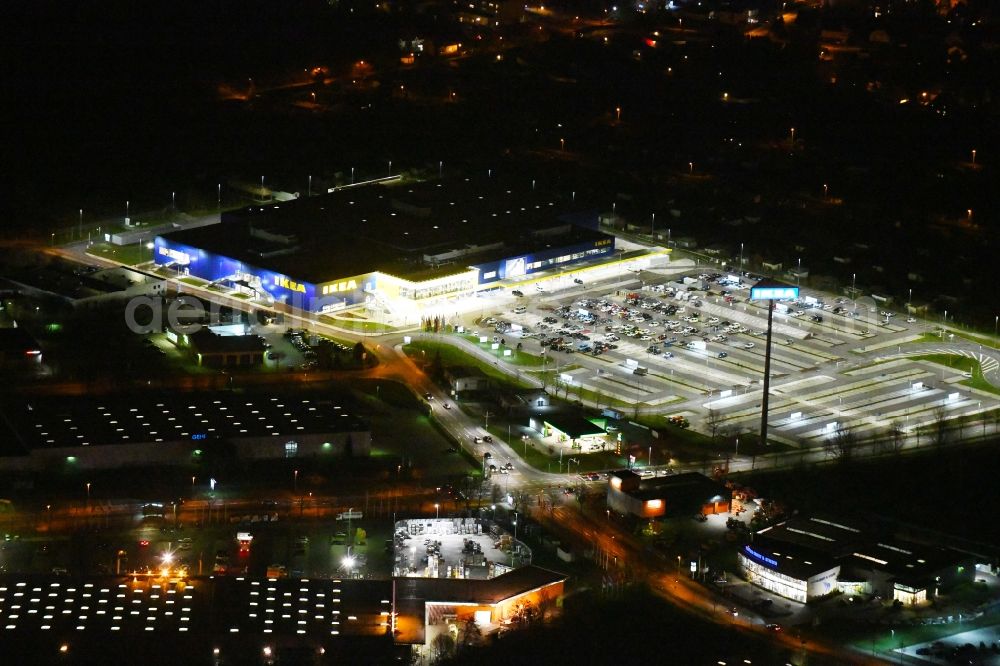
{"x": 678, "y": 340}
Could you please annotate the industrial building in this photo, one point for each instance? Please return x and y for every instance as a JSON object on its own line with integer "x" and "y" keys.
{"x": 805, "y": 558}
{"x": 396, "y": 248}
{"x": 673, "y": 495}
{"x": 147, "y": 429}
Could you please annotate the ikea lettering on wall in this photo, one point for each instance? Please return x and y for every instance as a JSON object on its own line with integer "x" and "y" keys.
{"x": 176, "y": 255}
{"x": 289, "y": 285}
{"x": 773, "y": 293}
{"x": 346, "y": 285}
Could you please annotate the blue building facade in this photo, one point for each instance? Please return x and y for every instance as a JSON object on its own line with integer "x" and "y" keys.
{"x": 213, "y": 268}
{"x": 347, "y": 292}
{"x": 522, "y": 266}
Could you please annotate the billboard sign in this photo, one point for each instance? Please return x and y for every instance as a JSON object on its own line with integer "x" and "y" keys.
{"x": 773, "y": 293}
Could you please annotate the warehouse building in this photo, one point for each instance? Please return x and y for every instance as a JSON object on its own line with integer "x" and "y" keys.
{"x": 402, "y": 249}
{"x": 137, "y": 430}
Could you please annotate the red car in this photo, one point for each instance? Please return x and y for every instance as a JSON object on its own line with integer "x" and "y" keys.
{"x": 144, "y": 543}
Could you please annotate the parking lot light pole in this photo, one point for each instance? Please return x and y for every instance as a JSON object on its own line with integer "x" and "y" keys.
{"x": 770, "y": 291}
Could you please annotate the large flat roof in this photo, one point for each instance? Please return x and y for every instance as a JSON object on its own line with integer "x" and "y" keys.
{"x": 52, "y": 421}
{"x": 390, "y": 227}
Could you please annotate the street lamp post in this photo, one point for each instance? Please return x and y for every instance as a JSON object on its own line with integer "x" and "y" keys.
{"x": 218, "y": 195}
{"x": 437, "y": 510}
{"x": 81, "y": 224}
{"x": 352, "y": 175}
{"x": 309, "y": 191}
{"x": 295, "y": 481}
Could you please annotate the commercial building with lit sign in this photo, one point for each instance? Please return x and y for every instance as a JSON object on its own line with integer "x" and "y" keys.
{"x": 794, "y": 576}
{"x": 674, "y": 495}
{"x": 397, "y": 248}
{"x": 805, "y": 558}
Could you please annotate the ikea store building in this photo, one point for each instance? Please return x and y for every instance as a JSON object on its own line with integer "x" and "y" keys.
{"x": 400, "y": 247}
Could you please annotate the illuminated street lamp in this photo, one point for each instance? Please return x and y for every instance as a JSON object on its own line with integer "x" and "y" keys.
{"x": 973, "y": 155}
{"x": 437, "y": 510}
{"x": 562, "y": 144}
{"x": 295, "y": 481}
{"x": 618, "y": 118}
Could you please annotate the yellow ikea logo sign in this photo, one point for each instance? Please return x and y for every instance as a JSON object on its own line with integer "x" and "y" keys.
{"x": 346, "y": 285}
{"x": 290, "y": 286}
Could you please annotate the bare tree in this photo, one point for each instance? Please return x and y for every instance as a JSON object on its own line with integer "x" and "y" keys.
{"x": 841, "y": 444}
{"x": 897, "y": 437}
{"x": 940, "y": 426}
{"x": 714, "y": 421}
{"x": 520, "y": 500}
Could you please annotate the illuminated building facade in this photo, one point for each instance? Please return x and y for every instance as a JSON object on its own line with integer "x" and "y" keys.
{"x": 399, "y": 248}
{"x": 805, "y": 558}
